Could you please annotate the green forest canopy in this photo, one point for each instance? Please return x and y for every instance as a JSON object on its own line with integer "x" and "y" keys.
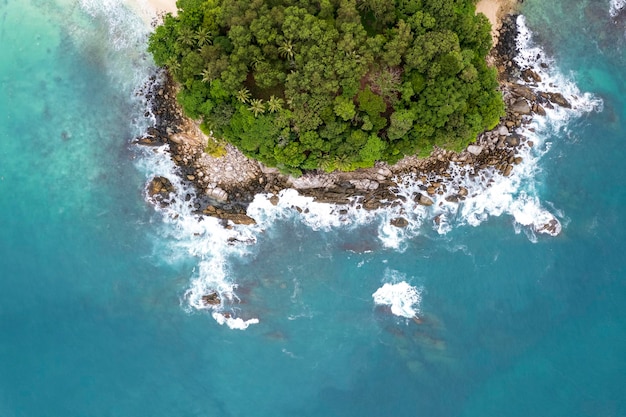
{"x": 332, "y": 84}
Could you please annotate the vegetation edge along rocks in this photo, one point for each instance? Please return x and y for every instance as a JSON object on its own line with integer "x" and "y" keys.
{"x": 332, "y": 84}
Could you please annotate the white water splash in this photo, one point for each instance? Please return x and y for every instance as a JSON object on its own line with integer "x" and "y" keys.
{"x": 403, "y": 298}
{"x": 233, "y": 323}
{"x": 616, "y": 7}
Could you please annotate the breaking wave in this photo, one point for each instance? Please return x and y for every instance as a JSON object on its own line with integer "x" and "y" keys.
{"x": 403, "y": 299}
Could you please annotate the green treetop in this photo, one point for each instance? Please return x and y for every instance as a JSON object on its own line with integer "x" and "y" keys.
{"x": 332, "y": 84}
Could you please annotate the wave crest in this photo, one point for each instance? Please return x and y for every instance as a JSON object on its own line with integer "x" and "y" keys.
{"x": 402, "y": 298}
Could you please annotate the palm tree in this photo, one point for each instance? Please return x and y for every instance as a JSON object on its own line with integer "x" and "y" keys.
{"x": 204, "y": 37}
{"x": 255, "y": 62}
{"x": 257, "y": 107}
{"x": 207, "y": 75}
{"x": 343, "y": 163}
{"x": 275, "y": 104}
{"x": 286, "y": 50}
{"x": 186, "y": 36}
{"x": 243, "y": 95}
{"x": 354, "y": 56}
{"x": 327, "y": 164}
{"x": 173, "y": 66}
{"x": 386, "y": 82}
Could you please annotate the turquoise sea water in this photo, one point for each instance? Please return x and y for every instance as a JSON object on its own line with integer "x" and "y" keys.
{"x": 97, "y": 288}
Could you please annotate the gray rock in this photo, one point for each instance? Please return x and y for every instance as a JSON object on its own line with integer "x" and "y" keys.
{"x": 529, "y": 75}
{"x": 238, "y": 218}
{"x": 540, "y": 110}
{"x": 474, "y": 149}
{"x": 176, "y": 139}
{"x": 512, "y": 140}
{"x": 384, "y": 172}
{"x": 424, "y": 200}
{"x": 525, "y": 92}
{"x": 557, "y": 98}
{"x": 160, "y": 188}
{"x": 400, "y": 222}
{"x": 521, "y": 106}
{"x": 218, "y": 194}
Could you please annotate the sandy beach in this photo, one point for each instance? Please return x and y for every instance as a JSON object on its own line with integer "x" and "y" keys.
{"x": 167, "y": 6}
{"x": 495, "y": 10}
{"x": 150, "y": 9}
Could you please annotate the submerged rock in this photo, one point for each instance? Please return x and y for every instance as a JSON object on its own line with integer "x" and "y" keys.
{"x": 211, "y": 299}
{"x": 552, "y": 227}
{"x": 399, "y": 222}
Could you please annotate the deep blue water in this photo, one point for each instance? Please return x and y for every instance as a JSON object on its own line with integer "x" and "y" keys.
{"x": 94, "y": 320}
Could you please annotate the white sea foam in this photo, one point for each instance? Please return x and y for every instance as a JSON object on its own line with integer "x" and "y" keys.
{"x": 201, "y": 238}
{"x": 125, "y": 29}
{"x": 115, "y": 38}
{"x": 616, "y": 7}
{"x": 403, "y": 298}
{"x": 552, "y": 80}
{"x": 238, "y": 323}
{"x": 318, "y": 216}
{"x": 188, "y": 235}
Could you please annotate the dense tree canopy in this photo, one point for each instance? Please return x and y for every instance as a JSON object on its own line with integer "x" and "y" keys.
{"x": 332, "y": 84}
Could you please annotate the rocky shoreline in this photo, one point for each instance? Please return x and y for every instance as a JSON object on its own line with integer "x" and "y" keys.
{"x": 227, "y": 184}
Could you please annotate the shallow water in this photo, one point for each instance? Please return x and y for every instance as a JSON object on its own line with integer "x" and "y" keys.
{"x": 97, "y": 288}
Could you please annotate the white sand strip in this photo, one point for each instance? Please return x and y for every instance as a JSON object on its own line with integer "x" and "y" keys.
{"x": 151, "y": 9}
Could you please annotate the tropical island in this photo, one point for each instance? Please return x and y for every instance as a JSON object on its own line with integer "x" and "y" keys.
{"x": 332, "y": 84}
{"x": 477, "y": 134}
